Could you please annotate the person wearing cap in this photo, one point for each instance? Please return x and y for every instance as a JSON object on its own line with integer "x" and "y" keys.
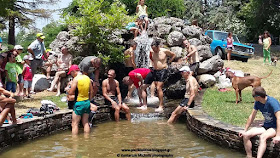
{"x": 64, "y": 61}
{"x": 18, "y": 49}
{"x": 270, "y": 109}
{"x": 27, "y": 75}
{"x": 136, "y": 77}
{"x": 90, "y": 66}
{"x": 159, "y": 57}
{"x": 85, "y": 94}
{"x": 191, "y": 92}
{"x": 37, "y": 50}
{"x": 192, "y": 57}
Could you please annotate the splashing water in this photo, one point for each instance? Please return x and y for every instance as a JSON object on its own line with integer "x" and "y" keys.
{"x": 142, "y": 51}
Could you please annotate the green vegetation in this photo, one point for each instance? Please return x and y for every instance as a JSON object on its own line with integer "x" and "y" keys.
{"x": 221, "y": 105}
{"x": 51, "y": 31}
{"x": 95, "y": 22}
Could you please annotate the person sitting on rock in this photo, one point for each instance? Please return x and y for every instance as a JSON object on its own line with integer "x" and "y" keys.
{"x": 7, "y": 105}
{"x": 134, "y": 27}
{"x": 192, "y": 57}
{"x": 90, "y": 66}
{"x": 111, "y": 88}
{"x": 141, "y": 11}
{"x": 64, "y": 61}
{"x": 191, "y": 92}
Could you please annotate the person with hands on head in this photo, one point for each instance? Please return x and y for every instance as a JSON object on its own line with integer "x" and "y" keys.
{"x": 111, "y": 88}
{"x": 191, "y": 92}
{"x": 270, "y": 109}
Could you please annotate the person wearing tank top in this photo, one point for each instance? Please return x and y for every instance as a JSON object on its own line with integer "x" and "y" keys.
{"x": 141, "y": 11}
{"x": 266, "y": 47}
{"x": 229, "y": 45}
{"x": 81, "y": 108}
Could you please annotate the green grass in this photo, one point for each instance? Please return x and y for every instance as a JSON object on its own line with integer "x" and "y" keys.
{"x": 56, "y": 100}
{"x": 221, "y": 105}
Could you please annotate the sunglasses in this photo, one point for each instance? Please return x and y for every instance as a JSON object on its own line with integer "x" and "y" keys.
{"x": 255, "y": 96}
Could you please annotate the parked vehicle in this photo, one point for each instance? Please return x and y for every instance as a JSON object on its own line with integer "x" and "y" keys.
{"x": 219, "y": 44}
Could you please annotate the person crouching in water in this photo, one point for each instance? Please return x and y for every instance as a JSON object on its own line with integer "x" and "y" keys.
{"x": 109, "y": 88}
{"x": 85, "y": 93}
{"x": 191, "y": 93}
{"x": 27, "y": 75}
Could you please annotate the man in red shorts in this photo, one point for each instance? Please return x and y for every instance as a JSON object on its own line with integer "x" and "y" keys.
{"x": 137, "y": 77}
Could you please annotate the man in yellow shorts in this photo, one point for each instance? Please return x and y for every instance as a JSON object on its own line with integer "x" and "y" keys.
{"x": 85, "y": 93}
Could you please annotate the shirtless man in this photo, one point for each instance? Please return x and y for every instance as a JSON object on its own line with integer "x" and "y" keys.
{"x": 7, "y": 105}
{"x": 191, "y": 93}
{"x": 110, "y": 87}
{"x": 192, "y": 57}
{"x": 82, "y": 105}
{"x": 129, "y": 63}
{"x": 159, "y": 73}
{"x": 89, "y": 65}
{"x": 64, "y": 61}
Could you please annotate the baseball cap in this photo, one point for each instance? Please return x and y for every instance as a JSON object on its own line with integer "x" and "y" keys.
{"x": 18, "y": 47}
{"x": 40, "y": 35}
{"x": 185, "y": 69}
{"x": 73, "y": 68}
{"x": 27, "y": 57}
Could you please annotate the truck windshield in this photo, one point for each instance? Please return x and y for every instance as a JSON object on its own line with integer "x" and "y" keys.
{"x": 223, "y": 36}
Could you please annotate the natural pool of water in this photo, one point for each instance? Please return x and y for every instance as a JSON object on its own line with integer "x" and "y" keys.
{"x": 111, "y": 139}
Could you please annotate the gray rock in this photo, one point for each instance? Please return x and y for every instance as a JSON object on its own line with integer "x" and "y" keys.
{"x": 211, "y": 65}
{"x": 206, "y": 39}
{"x": 175, "y": 28}
{"x": 191, "y": 32}
{"x": 178, "y": 51}
{"x": 195, "y": 42}
{"x": 175, "y": 38}
{"x": 204, "y": 52}
{"x": 206, "y": 80}
{"x": 163, "y": 29}
{"x": 63, "y": 36}
{"x": 40, "y": 83}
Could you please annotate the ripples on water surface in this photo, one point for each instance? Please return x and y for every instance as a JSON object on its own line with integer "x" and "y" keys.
{"x": 108, "y": 139}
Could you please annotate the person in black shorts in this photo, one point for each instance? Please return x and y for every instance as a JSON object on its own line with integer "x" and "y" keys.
{"x": 191, "y": 93}
{"x": 159, "y": 72}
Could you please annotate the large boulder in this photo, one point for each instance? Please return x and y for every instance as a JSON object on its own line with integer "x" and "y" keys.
{"x": 178, "y": 51}
{"x": 175, "y": 38}
{"x": 191, "y": 32}
{"x": 204, "y": 52}
{"x": 206, "y": 80}
{"x": 195, "y": 42}
{"x": 206, "y": 39}
{"x": 211, "y": 65}
{"x": 163, "y": 29}
{"x": 40, "y": 83}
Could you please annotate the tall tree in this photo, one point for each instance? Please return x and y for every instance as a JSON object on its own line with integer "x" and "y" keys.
{"x": 23, "y": 13}
{"x": 261, "y": 15}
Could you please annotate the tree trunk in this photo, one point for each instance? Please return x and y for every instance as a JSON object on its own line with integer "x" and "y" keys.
{"x": 11, "y": 37}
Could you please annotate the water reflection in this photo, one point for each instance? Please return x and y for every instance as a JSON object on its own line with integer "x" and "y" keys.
{"x": 109, "y": 139}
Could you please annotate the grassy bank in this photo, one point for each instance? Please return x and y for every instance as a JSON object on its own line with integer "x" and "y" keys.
{"x": 221, "y": 105}
{"x": 35, "y": 102}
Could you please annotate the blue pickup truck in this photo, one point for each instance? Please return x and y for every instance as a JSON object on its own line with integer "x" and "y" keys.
{"x": 219, "y": 44}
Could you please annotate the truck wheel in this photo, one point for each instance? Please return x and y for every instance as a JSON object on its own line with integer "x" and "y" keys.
{"x": 220, "y": 53}
{"x": 244, "y": 60}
